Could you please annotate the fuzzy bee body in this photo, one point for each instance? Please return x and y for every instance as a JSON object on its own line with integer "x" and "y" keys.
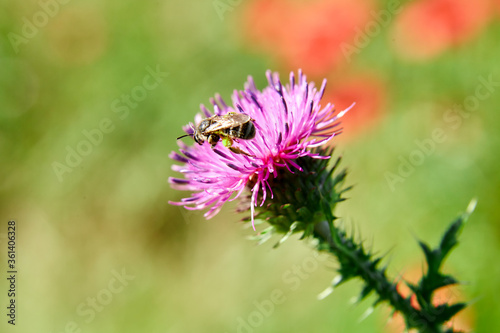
{"x": 236, "y": 125}
{"x": 229, "y": 127}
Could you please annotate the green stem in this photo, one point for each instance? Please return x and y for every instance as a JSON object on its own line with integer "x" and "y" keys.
{"x": 363, "y": 265}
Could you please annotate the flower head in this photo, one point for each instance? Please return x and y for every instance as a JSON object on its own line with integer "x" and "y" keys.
{"x": 289, "y": 122}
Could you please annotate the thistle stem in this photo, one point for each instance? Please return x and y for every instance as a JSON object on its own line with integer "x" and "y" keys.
{"x": 364, "y": 266}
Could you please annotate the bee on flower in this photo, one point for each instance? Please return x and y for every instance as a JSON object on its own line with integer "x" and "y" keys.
{"x": 281, "y": 124}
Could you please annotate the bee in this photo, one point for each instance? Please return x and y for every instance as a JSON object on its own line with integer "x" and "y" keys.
{"x": 229, "y": 128}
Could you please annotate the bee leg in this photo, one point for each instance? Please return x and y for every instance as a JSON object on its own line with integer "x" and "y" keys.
{"x": 237, "y": 150}
{"x": 213, "y": 139}
{"x": 227, "y": 142}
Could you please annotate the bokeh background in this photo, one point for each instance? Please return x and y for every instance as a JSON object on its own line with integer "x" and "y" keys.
{"x": 86, "y": 130}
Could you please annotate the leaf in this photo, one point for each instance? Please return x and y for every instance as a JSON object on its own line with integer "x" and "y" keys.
{"x": 440, "y": 280}
{"x": 445, "y": 312}
{"x": 450, "y": 237}
{"x": 431, "y": 257}
{"x": 365, "y": 292}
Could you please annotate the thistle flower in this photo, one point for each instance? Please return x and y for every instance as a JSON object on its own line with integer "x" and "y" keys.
{"x": 287, "y": 161}
{"x": 289, "y": 122}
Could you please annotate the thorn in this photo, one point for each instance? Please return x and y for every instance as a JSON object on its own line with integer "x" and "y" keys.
{"x": 288, "y": 234}
{"x": 471, "y": 206}
{"x": 474, "y": 300}
{"x": 325, "y": 293}
{"x": 264, "y": 239}
{"x": 464, "y": 283}
{"x": 337, "y": 280}
{"x": 367, "y": 313}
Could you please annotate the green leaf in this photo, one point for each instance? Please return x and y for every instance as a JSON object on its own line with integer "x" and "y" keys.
{"x": 365, "y": 292}
{"x": 431, "y": 257}
{"x": 440, "y": 280}
{"x": 445, "y": 312}
{"x": 450, "y": 238}
{"x": 374, "y": 263}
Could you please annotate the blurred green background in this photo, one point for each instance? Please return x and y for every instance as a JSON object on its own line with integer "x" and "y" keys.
{"x": 86, "y": 130}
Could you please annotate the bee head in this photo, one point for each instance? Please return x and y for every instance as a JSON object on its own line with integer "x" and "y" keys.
{"x": 199, "y": 138}
{"x": 199, "y": 135}
{"x": 193, "y": 134}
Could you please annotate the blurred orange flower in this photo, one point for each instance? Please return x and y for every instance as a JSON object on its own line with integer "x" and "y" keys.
{"x": 305, "y": 35}
{"x": 370, "y": 95}
{"x": 427, "y": 28}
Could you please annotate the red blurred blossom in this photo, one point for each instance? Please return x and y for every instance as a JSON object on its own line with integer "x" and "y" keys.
{"x": 308, "y": 34}
{"x": 370, "y": 95}
{"x": 497, "y": 6}
{"x": 427, "y": 28}
{"x": 463, "y": 321}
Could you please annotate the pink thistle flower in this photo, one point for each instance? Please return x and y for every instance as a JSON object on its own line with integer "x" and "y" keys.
{"x": 289, "y": 121}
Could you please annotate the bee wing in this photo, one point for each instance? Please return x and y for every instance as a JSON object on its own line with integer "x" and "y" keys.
{"x": 227, "y": 121}
{"x": 240, "y": 118}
